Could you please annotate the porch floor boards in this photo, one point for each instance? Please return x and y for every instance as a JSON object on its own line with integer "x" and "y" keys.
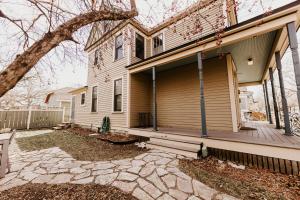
{"x": 265, "y": 134}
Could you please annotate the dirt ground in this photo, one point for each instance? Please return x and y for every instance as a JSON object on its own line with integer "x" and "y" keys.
{"x": 84, "y": 148}
{"x": 64, "y": 192}
{"x": 250, "y": 183}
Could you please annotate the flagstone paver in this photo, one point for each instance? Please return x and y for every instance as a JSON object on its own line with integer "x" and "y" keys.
{"x": 152, "y": 175}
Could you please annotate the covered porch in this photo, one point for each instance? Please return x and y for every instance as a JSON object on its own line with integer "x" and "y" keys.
{"x": 191, "y": 94}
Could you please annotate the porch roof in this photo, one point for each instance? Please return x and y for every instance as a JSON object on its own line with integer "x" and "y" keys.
{"x": 263, "y": 33}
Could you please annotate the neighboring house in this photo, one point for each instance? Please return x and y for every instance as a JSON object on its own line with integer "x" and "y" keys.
{"x": 246, "y": 103}
{"x": 61, "y": 98}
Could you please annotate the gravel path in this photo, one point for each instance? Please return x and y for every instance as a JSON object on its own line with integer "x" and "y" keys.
{"x": 152, "y": 175}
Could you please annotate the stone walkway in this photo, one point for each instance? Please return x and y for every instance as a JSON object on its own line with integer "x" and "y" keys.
{"x": 152, "y": 175}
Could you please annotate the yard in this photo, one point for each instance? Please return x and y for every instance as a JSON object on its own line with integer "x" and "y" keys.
{"x": 250, "y": 183}
{"x": 79, "y": 146}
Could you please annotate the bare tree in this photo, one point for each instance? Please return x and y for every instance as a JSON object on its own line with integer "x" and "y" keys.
{"x": 61, "y": 26}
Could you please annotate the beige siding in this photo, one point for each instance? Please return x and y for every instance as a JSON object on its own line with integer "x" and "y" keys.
{"x": 178, "y": 97}
{"x": 141, "y": 90}
{"x": 103, "y": 77}
{"x": 183, "y": 31}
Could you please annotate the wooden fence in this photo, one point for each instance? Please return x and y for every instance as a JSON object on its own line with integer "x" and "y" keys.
{"x": 27, "y": 119}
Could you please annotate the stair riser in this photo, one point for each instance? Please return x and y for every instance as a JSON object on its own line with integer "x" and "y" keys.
{"x": 171, "y": 150}
{"x": 175, "y": 144}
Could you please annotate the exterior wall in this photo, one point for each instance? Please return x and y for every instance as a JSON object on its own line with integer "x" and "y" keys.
{"x": 141, "y": 96}
{"x": 178, "y": 96}
{"x": 103, "y": 76}
{"x": 58, "y": 96}
{"x": 183, "y": 31}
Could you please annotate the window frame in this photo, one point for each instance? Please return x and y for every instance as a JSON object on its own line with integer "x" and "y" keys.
{"x": 82, "y": 104}
{"x": 113, "y": 95}
{"x": 144, "y": 43}
{"x": 96, "y": 57}
{"x": 116, "y": 48}
{"x": 92, "y": 99}
{"x": 162, "y": 45}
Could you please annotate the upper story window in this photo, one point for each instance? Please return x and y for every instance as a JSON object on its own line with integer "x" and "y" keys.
{"x": 82, "y": 101}
{"x": 96, "y": 57}
{"x": 139, "y": 46}
{"x": 118, "y": 95}
{"x": 119, "y": 47}
{"x": 158, "y": 44}
{"x": 94, "y": 99}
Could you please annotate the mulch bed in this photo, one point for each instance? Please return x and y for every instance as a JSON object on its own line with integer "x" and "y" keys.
{"x": 250, "y": 183}
{"x": 64, "y": 192}
{"x": 115, "y": 138}
{"x": 80, "y": 147}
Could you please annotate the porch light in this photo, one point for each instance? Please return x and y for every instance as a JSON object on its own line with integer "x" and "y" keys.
{"x": 250, "y": 61}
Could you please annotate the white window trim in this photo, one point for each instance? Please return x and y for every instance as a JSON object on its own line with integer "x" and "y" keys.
{"x": 92, "y": 86}
{"x": 114, "y": 47}
{"x": 84, "y": 99}
{"x": 164, "y": 40}
{"x": 113, "y": 96}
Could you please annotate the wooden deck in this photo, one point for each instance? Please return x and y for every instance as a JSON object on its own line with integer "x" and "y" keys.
{"x": 263, "y": 134}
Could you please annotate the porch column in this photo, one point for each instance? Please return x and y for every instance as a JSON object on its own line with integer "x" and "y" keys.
{"x": 202, "y": 99}
{"x": 154, "y": 115}
{"x": 286, "y": 117}
{"x": 291, "y": 27}
{"x": 268, "y": 102}
{"x": 266, "y": 106}
{"x": 274, "y": 99}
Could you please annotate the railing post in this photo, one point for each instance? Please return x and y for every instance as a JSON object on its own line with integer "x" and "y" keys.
{"x": 268, "y": 102}
{"x": 154, "y": 117}
{"x": 286, "y": 117}
{"x": 202, "y": 98}
{"x": 274, "y": 99}
{"x": 29, "y": 118}
{"x": 291, "y": 27}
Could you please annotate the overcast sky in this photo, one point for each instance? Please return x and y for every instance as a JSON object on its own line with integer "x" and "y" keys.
{"x": 75, "y": 74}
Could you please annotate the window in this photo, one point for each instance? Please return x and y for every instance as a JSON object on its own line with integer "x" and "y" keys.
{"x": 94, "y": 99}
{"x": 119, "y": 47}
{"x": 118, "y": 95}
{"x": 96, "y": 57}
{"x": 82, "y": 101}
{"x": 139, "y": 46}
{"x": 158, "y": 44}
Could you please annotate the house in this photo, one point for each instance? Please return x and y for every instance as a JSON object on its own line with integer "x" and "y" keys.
{"x": 60, "y": 98}
{"x": 185, "y": 74}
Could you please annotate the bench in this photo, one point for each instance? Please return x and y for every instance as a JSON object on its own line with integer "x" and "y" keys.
{"x": 5, "y": 140}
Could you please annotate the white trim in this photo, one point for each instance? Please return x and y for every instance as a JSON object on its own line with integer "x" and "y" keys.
{"x": 81, "y": 98}
{"x": 128, "y": 99}
{"x": 113, "y": 95}
{"x": 163, "y": 38}
{"x": 231, "y": 93}
{"x": 91, "y": 95}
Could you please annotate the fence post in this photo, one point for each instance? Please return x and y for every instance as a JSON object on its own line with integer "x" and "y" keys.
{"x": 29, "y": 118}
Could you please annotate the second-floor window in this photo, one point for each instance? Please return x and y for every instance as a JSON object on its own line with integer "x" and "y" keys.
{"x": 118, "y": 95}
{"x": 139, "y": 46}
{"x": 158, "y": 44}
{"x": 94, "y": 99}
{"x": 119, "y": 47}
{"x": 96, "y": 57}
{"x": 82, "y": 101}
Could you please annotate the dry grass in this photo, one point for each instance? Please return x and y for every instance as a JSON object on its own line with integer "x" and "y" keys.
{"x": 79, "y": 147}
{"x": 247, "y": 184}
{"x": 64, "y": 192}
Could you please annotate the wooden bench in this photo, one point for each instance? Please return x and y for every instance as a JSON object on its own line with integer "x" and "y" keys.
{"x": 5, "y": 140}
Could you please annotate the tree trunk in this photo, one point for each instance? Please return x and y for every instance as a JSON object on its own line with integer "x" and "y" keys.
{"x": 25, "y": 61}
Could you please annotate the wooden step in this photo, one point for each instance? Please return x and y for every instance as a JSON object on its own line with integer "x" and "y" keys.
{"x": 172, "y": 150}
{"x": 175, "y": 144}
{"x": 57, "y": 128}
